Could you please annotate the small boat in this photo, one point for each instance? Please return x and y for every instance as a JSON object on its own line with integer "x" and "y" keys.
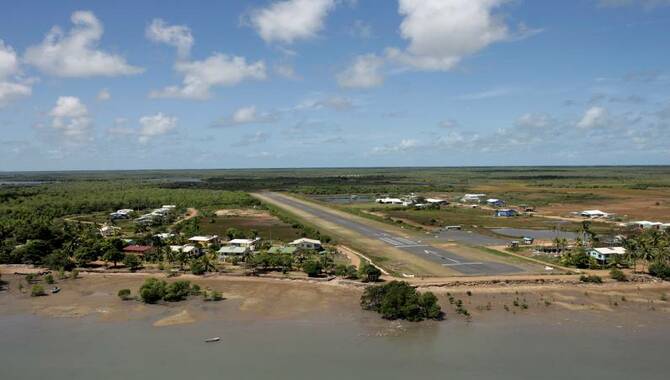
{"x": 55, "y": 290}
{"x": 212, "y": 340}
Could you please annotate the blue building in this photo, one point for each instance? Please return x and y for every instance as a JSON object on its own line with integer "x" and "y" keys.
{"x": 506, "y": 212}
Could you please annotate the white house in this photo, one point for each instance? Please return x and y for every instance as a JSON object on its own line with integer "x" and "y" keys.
{"x": 107, "y": 230}
{"x": 205, "y": 240}
{"x": 164, "y": 235}
{"x": 305, "y": 243}
{"x": 644, "y": 224}
{"x": 594, "y": 214}
{"x": 230, "y": 250}
{"x": 604, "y": 255}
{"x": 189, "y": 249}
{"x": 389, "y": 201}
{"x": 436, "y": 201}
{"x": 495, "y": 202}
{"x": 474, "y": 198}
{"x": 245, "y": 243}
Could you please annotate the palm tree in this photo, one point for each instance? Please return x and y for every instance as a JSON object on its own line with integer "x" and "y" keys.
{"x": 209, "y": 261}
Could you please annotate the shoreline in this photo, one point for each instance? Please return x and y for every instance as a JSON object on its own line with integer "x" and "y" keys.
{"x": 252, "y": 298}
{"x": 502, "y": 282}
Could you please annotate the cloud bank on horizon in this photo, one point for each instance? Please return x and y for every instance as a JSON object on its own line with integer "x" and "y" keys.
{"x": 295, "y": 83}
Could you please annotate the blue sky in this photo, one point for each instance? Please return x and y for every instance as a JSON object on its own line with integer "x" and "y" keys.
{"x": 310, "y": 83}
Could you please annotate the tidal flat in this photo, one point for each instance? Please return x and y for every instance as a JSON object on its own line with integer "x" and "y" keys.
{"x": 283, "y": 329}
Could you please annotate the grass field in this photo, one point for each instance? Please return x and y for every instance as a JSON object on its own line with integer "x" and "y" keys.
{"x": 267, "y": 226}
{"x": 474, "y": 217}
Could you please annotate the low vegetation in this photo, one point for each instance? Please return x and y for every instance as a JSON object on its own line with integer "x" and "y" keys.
{"x": 398, "y": 300}
{"x": 37, "y": 291}
{"x": 124, "y": 294}
{"x": 154, "y": 290}
{"x": 594, "y": 279}
{"x": 618, "y": 274}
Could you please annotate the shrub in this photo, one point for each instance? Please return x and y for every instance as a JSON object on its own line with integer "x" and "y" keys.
{"x": 369, "y": 273}
{"x": 153, "y": 290}
{"x": 49, "y": 279}
{"x": 124, "y": 294}
{"x": 37, "y": 291}
{"x": 346, "y": 271}
{"x": 197, "y": 267}
{"x": 195, "y": 290}
{"x": 618, "y": 274}
{"x": 312, "y": 268}
{"x": 132, "y": 262}
{"x": 177, "y": 291}
{"x": 212, "y": 295}
{"x": 660, "y": 270}
{"x": 591, "y": 278}
{"x": 74, "y": 274}
{"x": 398, "y": 300}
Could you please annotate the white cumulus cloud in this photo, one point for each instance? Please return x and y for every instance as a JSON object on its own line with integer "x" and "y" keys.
{"x": 155, "y": 125}
{"x": 76, "y": 53}
{"x": 70, "y": 116}
{"x": 594, "y": 117}
{"x": 11, "y": 87}
{"x": 363, "y": 73}
{"x": 442, "y": 32}
{"x": 178, "y": 36}
{"x": 289, "y": 20}
{"x": 9, "y": 64}
{"x": 248, "y": 115}
{"x": 217, "y": 70}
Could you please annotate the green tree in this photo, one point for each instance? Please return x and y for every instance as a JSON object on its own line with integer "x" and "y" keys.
{"x": 132, "y": 262}
{"x": 153, "y": 290}
{"x": 58, "y": 260}
{"x": 369, "y": 273}
{"x": 312, "y": 268}
{"x": 197, "y": 267}
{"x": 113, "y": 254}
{"x": 177, "y": 291}
{"x": 398, "y": 300}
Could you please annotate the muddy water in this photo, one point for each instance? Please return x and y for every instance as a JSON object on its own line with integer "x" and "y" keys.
{"x": 325, "y": 347}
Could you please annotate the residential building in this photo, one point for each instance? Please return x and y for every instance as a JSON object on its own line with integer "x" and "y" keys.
{"x": 189, "y": 249}
{"x": 231, "y": 250}
{"x": 606, "y": 254}
{"x": 391, "y": 201}
{"x": 472, "y": 198}
{"x": 205, "y": 240}
{"x": 305, "y": 243}
{"x": 494, "y": 202}
{"x": 107, "y": 230}
{"x": 594, "y": 214}
{"x": 245, "y": 243}
{"x": 506, "y": 212}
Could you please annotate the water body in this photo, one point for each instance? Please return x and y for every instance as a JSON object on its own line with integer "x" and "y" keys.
{"x": 535, "y": 234}
{"x": 329, "y": 348}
